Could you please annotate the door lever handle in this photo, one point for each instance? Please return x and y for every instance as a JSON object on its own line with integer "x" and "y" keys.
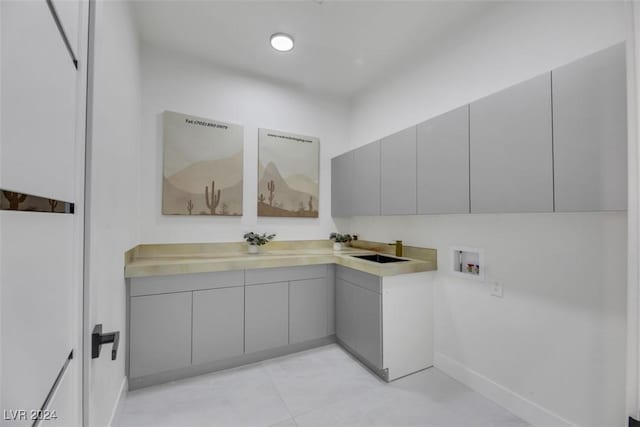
{"x": 98, "y": 339}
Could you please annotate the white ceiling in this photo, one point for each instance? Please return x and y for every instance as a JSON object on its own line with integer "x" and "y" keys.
{"x": 341, "y": 47}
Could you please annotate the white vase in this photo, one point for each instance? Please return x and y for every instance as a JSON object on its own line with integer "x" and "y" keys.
{"x": 337, "y": 246}
{"x": 253, "y": 249}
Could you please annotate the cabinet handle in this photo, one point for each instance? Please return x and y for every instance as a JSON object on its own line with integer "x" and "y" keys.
{"x": 98, "y": 339}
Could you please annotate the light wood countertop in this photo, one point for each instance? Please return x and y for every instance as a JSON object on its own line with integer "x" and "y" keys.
{"x": 172, "y": 259}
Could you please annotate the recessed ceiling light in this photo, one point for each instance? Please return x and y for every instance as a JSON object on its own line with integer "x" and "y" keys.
{"x": 282, "y": 42}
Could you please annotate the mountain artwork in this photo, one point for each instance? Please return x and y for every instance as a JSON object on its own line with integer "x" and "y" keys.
{"x": 288, "y": 174}
{"x": 202, "y": 173}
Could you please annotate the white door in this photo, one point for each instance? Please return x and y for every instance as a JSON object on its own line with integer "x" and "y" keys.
{"x": 41, "y": 196}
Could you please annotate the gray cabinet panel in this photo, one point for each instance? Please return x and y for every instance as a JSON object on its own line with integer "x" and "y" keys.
{"x": 218, "y": 324}
{"x": 359, "y": 278}
{"x": 398, "y": 173}
{"x": 307, "y": 310}
{"x": 160, "y": 333}
{"x": 284, "y": 274}
{"x": 590, "y": 133}
{"x": 266, "y": 316}
{"x": 341, "y": 184}
{"x": 359, "y": 320}
{"x": 443, "y": 163}
{"x": 345, "y": 312}
{"x": 510, "y": 149}
{"x": 186, "y": 282}
{"x": 368, "y": 315}
{"x": 366, "y": 180}
{"x": 331, "y": 299}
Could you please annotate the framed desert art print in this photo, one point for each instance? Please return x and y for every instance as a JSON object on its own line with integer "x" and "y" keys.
{"x": 202, "y": 172}
{"x": 288, "y": 168}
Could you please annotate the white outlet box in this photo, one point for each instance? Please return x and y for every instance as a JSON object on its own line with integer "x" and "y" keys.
{"x": 497, "y": 290}
{"x": 467, "y": 262}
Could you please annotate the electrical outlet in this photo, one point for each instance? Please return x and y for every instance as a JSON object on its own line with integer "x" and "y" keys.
{"x": 496, "y": 290}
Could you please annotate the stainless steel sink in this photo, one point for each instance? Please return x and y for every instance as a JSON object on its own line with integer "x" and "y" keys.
{"x": 382, "y": 259}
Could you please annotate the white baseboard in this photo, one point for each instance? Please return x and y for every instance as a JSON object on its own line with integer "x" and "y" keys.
{"x": 527, "y": 410}
{"x": 118, "y": 406}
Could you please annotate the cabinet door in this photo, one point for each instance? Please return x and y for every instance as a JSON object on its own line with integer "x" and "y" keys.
{"x": 160, "y": 333}
{"x": 266, "y": 316}
{"x": 331, "y": 299}
{"x": 341, "y": 184}
{"x": 366, "y": 180}
{"x": 38, "y": 111}
{"x": 510, "y": 149}
{"x": 443, "y": 163}
{"x": 345, "y": 312}
{"x": 590, "y": 133}
{"x": 218, "y": 324}
{"x": 398, "y": 190}
{"x": 368, "y": 329}
{"x": 307, "y": 310}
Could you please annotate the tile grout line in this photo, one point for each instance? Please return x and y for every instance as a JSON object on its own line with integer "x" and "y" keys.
{"x": 275, "y": 387}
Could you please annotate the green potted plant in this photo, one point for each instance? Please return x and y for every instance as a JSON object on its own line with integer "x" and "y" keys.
{"x": 340, "y": 240}
{"x": 256, "y": 240}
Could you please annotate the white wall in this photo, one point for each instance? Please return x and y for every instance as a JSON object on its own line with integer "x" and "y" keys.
{"x": 174, "y": 82}
{"x": 113, "y": 199}
{"x": 553, "y": 348}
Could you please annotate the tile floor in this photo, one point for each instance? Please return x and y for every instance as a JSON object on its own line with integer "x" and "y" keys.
{"x": 320, "y": 387}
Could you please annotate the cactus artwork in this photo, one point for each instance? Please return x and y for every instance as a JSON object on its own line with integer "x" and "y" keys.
{"x": 289, "y": 164}
{"x": 53, "y": 204}
{"x": 212, "y": 203}
{"x": 201, "y": 154}
{"x": 14, "y": 199}
{"x": 271, "y": 186}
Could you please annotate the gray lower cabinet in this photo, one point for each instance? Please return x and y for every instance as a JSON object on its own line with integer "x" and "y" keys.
{"x": 341, "y": 184}
{"x": 398, "y": 173}
{"x": 511, "y": 149}
{"x": 368, "y": 315}
{"x": 308, "y": 310}
{"x": 218, "y": 324}
{"x": 345, "y": 312}
{"x": 590, "y": 133}
{"x": 359, "y": 319}
{"x": 191, "y": 320}
{"x": 443, "y": 163}
{"x": 266, "y": 316}
{"x": 160, "y": 328}
{"x": 366, "y": 180}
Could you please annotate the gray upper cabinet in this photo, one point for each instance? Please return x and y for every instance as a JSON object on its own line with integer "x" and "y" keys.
{"x": 398, "y": 173}
{"x": 511, "y": 149}
{"x": 307, "y": 310}
{"x": 590, "y": 133}
{"x": 218, "y": 324}
{"x": 266, "y": 316}
{"x": 443, "y": 163}
{"x": 341, "y": 184}
{"x": 366, "y": 180}
{"x": 160, "y": 333}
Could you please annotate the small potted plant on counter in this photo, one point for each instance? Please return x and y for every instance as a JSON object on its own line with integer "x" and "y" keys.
{"x": 340, "y": 240}
{"x": 256, "y": 240}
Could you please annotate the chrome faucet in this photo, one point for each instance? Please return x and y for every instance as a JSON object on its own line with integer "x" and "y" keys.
{"x": 399, "y": 247}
